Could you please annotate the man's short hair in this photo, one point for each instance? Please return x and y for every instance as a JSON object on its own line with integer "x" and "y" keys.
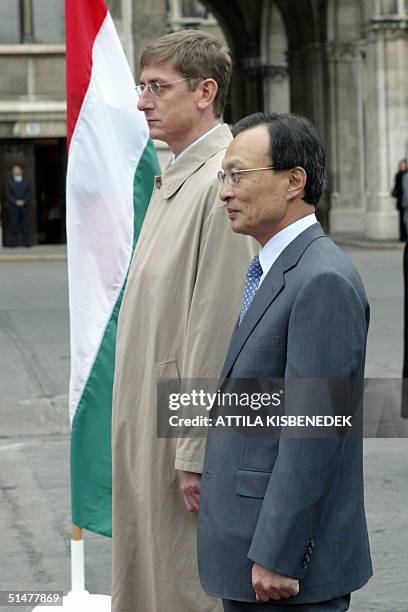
{"x": 196, "y": 54}
{"x": 293, "y": 142}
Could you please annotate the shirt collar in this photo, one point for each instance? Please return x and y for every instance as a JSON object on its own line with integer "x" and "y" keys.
{"x": 176, "y": 157}
{"x": 274, "y": 247}
{"x": 175, "y": 176}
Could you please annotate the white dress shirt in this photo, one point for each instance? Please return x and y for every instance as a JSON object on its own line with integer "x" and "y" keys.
{"x": 176, "y": 157}
{"x": 274, "y": 247}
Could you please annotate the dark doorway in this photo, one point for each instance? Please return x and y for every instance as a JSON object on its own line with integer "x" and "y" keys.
{"x": 12, "y": 152}
{"x": 50, "y": 169}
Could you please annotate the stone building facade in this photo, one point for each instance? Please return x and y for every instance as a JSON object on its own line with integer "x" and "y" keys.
{"x": 342, "y": 63}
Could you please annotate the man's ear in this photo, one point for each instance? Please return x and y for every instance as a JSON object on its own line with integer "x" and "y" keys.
{"x": 297, "y": 182}
{"x": 208, "y": 89}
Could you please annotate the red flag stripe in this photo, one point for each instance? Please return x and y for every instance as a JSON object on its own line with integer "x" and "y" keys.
{"x": 83, "y": 20}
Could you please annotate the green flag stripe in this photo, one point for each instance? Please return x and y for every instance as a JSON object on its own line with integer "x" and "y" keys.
{"x": 91, "y": 457}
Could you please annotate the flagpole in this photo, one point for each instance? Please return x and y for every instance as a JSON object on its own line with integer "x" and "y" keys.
{"x": 77, "y": 560}
{"x": 78, "y": 599}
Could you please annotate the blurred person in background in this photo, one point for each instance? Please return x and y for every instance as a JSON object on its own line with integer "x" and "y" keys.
{"x": 397, "y": 193}
{"x": 18, "y": 198}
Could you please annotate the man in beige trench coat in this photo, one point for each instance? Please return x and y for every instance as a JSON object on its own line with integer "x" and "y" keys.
{"x": 182, "y": 298}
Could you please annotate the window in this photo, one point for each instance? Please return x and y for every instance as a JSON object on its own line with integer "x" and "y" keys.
{"x": 48, "y": 21}
{"x": 9, "y": 22}
{"x": 32, "y": 21}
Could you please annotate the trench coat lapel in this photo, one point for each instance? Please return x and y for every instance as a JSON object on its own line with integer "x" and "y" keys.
{"x": 271, "y": 287}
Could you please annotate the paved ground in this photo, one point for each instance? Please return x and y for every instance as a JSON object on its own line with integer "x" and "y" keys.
{"x": 34, "y": 442}
{"x": 34, "y": 435}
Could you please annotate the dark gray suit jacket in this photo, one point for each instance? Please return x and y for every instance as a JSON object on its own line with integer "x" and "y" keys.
{"x": 295, "y": 506}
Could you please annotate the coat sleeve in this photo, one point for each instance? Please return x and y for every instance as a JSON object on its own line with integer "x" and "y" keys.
{"x": 223, "y": 261}
{"x": 326, "y": 342}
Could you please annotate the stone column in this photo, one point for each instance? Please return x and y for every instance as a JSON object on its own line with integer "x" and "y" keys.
{"x": 274, "y": 52}
{"x": 247, "y": 82}
{"x": 127, "y": 34}
{"x": 346, "y": 147}
{"x": 307, "y": 88}
{"x": 150, "y": 21}
{"x": 190, "y": 7}
{"x": 276, "y": 88}
{"x": 308, "y": 97}
{"x": 387, "y": 119}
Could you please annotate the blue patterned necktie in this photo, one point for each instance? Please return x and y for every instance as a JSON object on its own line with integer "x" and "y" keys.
{"x": 252, "y": 279}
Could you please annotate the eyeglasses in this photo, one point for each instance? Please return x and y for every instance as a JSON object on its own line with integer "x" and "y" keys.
{"x": 155, "y": 88}
{"x": 232, "y": 174}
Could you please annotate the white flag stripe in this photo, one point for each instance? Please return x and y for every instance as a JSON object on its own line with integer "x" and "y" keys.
{"x": 107, "y": 143}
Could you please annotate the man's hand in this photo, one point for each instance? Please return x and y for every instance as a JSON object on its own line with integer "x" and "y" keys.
{"x": 190, "y": 484}
{"x": 270, "y": 585}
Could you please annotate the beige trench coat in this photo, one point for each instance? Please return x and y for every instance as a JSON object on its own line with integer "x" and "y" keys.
{"x": 182, "y": 299}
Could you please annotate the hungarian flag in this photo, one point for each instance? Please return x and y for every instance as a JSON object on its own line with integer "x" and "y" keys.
{"x": 111, "y": 165}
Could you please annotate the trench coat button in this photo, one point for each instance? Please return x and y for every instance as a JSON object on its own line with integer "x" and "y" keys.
{"x": 158, "y": 181}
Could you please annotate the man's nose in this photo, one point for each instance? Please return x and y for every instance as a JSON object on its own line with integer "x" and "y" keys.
{"x": 145, "y": 101}
{"x": 226, "y": 192}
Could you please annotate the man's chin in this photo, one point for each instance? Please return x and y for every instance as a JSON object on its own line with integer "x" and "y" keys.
{"x": 237, "y": 227}
{"x": 155, "y": 132}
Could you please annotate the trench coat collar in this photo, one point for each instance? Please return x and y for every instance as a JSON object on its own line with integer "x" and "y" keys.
{"x": 271, "y": 287}
{"x": 176, "y": 174}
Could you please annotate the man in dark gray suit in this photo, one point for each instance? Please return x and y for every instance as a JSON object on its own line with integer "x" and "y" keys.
{"x": 284, "y": 519}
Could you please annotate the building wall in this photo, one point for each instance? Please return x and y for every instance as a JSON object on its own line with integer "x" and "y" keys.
{"x": 386, "y": 48}
{"x": 342, "y": 63}
{"x": 347, "y": 73}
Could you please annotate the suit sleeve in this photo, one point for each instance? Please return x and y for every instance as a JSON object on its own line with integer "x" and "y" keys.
{"x": 223, "y": 260}
{"x": 326, "y": 340}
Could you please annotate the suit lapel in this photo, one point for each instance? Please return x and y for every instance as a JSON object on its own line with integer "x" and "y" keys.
{"x": 268, "y": 291}
{"x": 271, "y": 287}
